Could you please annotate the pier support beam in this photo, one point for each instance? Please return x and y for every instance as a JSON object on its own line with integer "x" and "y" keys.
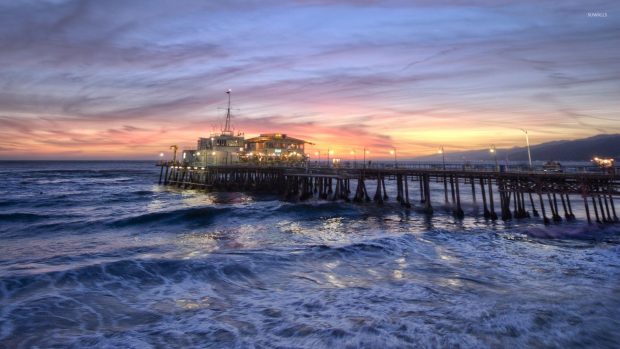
{"x": 428, "y": 208}
{"x": 378, "y": 198}
{"x": 445, "y": 188}
{"x": 407, "y": 203}
{"x": 542, "y": 209}
{"x": 585, "y": 205}
{"x": 613, "y": 208}
{"x": 534, "y": 211}
{"x": 554, "y": 204}
{"x": 491, "y": 201}
{"x": 459, "y": 211}
{"x": 602, "y": 210}
{"x": 609, "y": 218}
{"x": 473, "y": 189}
{"x": 598, "y": 220}
{"x": 486, "y": 212}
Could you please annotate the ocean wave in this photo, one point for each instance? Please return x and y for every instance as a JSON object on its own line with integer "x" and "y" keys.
{"x": 6, "y": 203}
{"x": 318, "y": 209}
{"x": 129, "y": 274}
{"x": 580, "y": 232}
{"x": 192, "y": 215}
{"x": 378, "y": 292}
{"x": 22, "y": 217}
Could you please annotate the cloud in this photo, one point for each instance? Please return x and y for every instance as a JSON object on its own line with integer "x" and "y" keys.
{"x": 134, "y": 77}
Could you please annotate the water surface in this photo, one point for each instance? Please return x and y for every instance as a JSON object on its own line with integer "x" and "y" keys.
{"x": 95, "y": 254}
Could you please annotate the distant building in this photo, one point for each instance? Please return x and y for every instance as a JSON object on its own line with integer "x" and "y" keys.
{"x": 274, "y": 147}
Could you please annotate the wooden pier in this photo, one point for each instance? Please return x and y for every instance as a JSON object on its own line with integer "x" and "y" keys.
{"x": 505, "y": 195}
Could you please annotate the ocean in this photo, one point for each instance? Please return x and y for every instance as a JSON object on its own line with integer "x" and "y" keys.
{"x": 97, "y": 255}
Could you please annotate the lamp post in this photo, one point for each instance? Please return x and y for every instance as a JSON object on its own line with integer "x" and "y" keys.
{"x": 393, "y": 152}
{"x": 445, "y": 178}
{"x": 366, "y": 151}
{"x": 354, "y": 157}
{"x": 329, "y": 152}
{"x": 527, "y": 141}
{"x": 493, "y": 151}
{"x": 318, "y": 154}
{"x": 174, "y": 154}
{"x": 443, "y": 156}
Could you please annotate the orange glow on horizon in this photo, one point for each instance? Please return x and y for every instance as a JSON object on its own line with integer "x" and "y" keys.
{"x": 84, "y": 139}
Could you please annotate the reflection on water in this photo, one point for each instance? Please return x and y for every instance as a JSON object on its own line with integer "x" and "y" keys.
{"x": 131, "y": 264}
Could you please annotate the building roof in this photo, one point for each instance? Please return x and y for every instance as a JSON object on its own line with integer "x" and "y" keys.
{"x": 266, "y": 137}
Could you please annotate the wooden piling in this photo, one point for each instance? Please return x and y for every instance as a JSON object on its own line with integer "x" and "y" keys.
{"x": 534, "y": 211}
{"x": 459, "y": 211}
{"x": 491, "y": 201}
{"x": 542, "y": 209}
{"x": 598, "y": 220}
{"x": 407, "y": 203}
{"x": 473, "y": 189}
{"x": 585, "y": 205}
{"x": 486, "y": 212}
{"x": 613, "y": 208}
{"x": 428, "y": 208}
{"x": 334, "y": 184}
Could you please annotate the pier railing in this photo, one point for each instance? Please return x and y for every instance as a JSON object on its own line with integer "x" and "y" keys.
{"x": 514, "y": 192}
{"x": 452, "y": 166}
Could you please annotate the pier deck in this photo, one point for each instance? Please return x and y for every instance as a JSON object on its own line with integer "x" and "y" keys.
{"x": 518, "y": 194}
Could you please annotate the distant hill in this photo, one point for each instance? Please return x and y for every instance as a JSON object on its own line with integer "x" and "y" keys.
{"x": 606, "y": 145}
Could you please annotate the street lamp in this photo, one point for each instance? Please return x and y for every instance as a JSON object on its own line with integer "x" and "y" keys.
{"x": 393, "y": 152}
{"x": 494, "y": 152}
{"x": 445, "y": 178}
{"x": 443, "y": 156}
{"x": 366, "y": 151}
{"x": 527, "y": 141}
{"x": 329, "y": 152}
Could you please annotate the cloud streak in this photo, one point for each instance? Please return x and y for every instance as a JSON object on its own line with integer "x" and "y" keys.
{"x": 107, "y": 79}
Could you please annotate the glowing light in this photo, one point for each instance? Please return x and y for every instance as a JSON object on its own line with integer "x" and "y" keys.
{"x": 603, "y": 162}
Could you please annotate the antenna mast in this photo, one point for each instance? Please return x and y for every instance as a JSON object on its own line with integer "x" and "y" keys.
{"x": 227, "y": 129}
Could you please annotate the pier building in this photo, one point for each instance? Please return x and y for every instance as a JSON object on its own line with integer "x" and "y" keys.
{"x": 228, "y": 148}
{"x": 274, "y": 148}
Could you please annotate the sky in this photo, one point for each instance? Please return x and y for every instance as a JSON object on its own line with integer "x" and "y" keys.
{"x": 125, "y": 79}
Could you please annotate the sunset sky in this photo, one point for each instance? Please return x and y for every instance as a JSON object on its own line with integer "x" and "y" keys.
{"x": 126, "y": 79}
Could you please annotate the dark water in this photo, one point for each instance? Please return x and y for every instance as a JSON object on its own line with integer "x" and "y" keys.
{"x": 97, "y": 255}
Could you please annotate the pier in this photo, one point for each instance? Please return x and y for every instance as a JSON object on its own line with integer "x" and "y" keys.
{"x": 502, "y": 195}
